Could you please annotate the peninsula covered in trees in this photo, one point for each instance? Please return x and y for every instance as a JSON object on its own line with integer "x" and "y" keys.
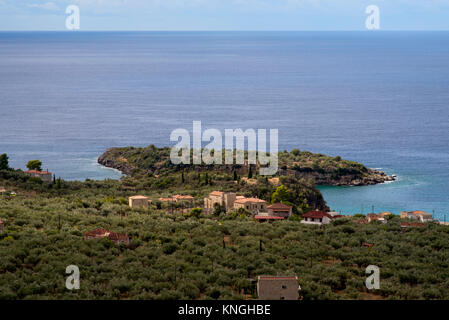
{"x": 321, "y": 169}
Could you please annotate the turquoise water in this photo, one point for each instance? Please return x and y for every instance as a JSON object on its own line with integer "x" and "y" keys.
{"x": 379, "y": 98}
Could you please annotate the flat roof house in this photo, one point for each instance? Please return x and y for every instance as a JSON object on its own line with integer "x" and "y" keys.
{"x": 317, "y": 217}
{"x": 138, "y": 201}
{"x": 44, "y": 175}
{"x": 279, "y": 210}
{"x": 278, "y": 287}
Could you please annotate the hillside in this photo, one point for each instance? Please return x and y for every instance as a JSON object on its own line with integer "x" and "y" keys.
{"x": 174, "y": 256}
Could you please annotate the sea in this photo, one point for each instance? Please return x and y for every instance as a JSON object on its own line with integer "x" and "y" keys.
{"x": 380, "y": 98}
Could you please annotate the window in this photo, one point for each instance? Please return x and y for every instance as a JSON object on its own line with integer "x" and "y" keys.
{"x": 284, "y": 287}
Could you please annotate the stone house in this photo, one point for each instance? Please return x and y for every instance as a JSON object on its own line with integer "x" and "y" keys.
{"x": 254, "y": 205}
{"x": 278, "y": 287}
{"x": 138, "y": 201}
{"x": 224, "y": 199}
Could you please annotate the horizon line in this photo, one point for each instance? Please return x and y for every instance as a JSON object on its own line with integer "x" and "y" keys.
{"x": 195, "y": 30}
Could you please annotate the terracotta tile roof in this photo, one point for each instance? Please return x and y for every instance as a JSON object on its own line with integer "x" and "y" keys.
{"x": 216, "y": 193}
{"x": 277, "y": 278}
{"x": 259, "y": 217}
{"x": 187, "y": 197}
{"x": 316, "y": 214}
{"x": 38, "y": 172}
{"x": 165, "y": 199}
{"x": 1, "y": 221}
{"x": 138, "y": 198}
{"x": 245, "y": 200}
{"x": 419, "y": 212}
{"x": 279, "y": 206}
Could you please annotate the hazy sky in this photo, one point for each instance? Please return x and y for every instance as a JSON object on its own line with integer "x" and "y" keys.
{"x": 224, "y": 14}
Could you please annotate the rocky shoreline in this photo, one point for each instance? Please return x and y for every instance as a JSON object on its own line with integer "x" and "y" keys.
{"x": 373, "y": 177}
{"x": 370, "y": 177}
{"x": 120, "y": 163}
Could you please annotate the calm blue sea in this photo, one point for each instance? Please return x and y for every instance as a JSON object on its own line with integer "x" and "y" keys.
{"x": 381, "y": 98}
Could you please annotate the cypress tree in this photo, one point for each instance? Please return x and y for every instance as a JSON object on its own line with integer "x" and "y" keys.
{"x": 4, "y": 162}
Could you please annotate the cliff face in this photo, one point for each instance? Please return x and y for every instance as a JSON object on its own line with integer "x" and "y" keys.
{"x": 370, "y": 177}
{"x": 112, "y": 159}
{"x": 323, "y": 170}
